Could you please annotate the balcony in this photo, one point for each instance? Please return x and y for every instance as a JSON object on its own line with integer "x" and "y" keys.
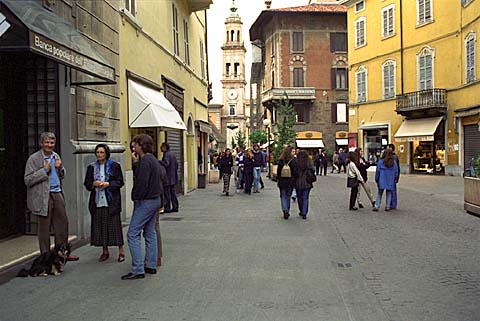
{"x": 199, "y": 5}
{"x": 424, "y": 103}
{"x": 293, "y": 93}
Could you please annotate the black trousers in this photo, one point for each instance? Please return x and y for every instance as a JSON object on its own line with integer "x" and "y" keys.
{"x": 325, "y": 169}
{"x": 171, "y": 201}
{"x": 353, "y": 197}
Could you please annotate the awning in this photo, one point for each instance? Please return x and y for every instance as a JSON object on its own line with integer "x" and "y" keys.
{"x": 266, "y": 144}
{"x": 217, "y": 134}
{"x": 149, "y": 108}
{"x": 4, "y": 25}
{"x": 417, "y": 129}
{"x": 342, "y": 141}
{"x": 204, "y": 127}
{"x": 310, "y": 143}
{"x": 51, "y": 36}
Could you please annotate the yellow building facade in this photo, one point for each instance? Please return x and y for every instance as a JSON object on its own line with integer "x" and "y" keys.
{"x": 413, "y": 80}
{"x": 163, "y": 53}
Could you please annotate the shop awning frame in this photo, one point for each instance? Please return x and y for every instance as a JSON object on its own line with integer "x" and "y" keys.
{"x": 51, "y": 36}
{"x": 310, "y": 143}
{"x": 422, "y": 129}
{"x": 204, "y": 127}
{"x": 148, "y": 107}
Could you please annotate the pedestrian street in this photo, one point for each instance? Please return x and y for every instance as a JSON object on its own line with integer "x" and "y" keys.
{"x": 236, "y": 258}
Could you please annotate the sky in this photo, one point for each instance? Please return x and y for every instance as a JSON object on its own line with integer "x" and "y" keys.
{"x": 248, "y": 10}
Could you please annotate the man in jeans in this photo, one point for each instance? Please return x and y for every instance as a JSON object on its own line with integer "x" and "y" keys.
{"x": 44, "y": 173}
{"x": 169, "y": 161}
{"x": 258, "y": 163}
{"x": 146, "y": 195}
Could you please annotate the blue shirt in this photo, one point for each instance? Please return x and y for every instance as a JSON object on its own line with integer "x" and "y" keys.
{"x": 102, "y": 198}
{"x": 54, "y": 179}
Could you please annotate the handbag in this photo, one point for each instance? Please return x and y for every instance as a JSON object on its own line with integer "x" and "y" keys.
{"x": 352, "y": 182}
{"x": 310, "y": 176}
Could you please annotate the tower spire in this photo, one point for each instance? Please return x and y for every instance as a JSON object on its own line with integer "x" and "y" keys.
{"x": 233, "y": 9}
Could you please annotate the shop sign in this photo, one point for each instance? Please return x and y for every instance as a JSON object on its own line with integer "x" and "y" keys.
{"x": 414, "y": 138}
{"x": 69, "y": 57}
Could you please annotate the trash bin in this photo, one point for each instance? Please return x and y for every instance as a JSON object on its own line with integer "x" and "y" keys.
{"x": 202, "y": 180}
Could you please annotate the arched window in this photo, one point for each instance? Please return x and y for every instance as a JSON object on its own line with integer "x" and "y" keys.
{"x": 232, "y": 34}
{"x": 238, "y": 35}
{"x": 388, "y": 76}
{"x": 425, "y": 68}
{"x": 470, "y": 56}
{"x": 361, "y": 83}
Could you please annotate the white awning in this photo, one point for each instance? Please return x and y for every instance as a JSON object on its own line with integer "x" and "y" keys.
{"x": 148, "y": 107}
{"x": 417, "y": 129}
{"x": 342, "y": 141}
{"x": 310, "y": 143}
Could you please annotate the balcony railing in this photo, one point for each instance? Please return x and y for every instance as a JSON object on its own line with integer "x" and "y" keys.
{"x": 432, "y": 101}
{"x": 293, "y": 93}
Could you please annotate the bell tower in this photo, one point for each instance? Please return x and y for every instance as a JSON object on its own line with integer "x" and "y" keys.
{"x": 233, "y": 77}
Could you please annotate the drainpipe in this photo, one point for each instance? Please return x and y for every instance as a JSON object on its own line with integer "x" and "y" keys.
{"x": 401, "y": 48}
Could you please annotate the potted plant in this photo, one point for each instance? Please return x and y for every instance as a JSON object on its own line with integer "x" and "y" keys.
{"x": 471, "y": 190}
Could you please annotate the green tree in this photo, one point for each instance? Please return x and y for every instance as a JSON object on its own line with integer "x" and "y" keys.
{"x": 241, "y": 138}
{"x": 258, "y": 136}
{"x": 285, "y": 135}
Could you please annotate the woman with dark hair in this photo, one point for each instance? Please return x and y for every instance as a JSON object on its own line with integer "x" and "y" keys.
{"x": 104, "y": 179}
{"x": 386, "y": 177}
{"x": 226, "y": 164}
{"x": 286, "y": 175}
{"x": 248, "y": 171}
{"x": 363, "y": 165}
{"x": 304, "y": 182}
{"x": 354, "y": 177}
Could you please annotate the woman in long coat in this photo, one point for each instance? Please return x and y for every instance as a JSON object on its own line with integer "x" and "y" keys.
{"x": 303, "y": 182}
{"x": 104, "y": 179}
{"x": 286, "y": 184}
{"x": 248, "y": 171}
{"x": 226, "y": 164}
{"x": 386, "y": 177}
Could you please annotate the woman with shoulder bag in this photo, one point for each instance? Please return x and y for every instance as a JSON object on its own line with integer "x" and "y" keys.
{"x": 363, "y": 165}
{"x": 286, "y": 174}
{"x": 353, "y": 179}
{"x": 304, "y": 182}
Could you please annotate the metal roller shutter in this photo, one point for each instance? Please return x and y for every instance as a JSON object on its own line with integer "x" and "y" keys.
{"x": 471, "y": 143}
{"x": 175, "y": 140}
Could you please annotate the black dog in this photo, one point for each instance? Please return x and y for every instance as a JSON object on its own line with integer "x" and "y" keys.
{"x": 49, "y": 263}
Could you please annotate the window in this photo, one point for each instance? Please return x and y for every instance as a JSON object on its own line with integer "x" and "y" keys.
{"x": 273, "y": 78}
{"x": 232, "y": 109}
{"x": 227, "y": 69}
{"x": 359, "y": 6}
{"x": 338, "y": 42}
{"x": 339, "y": 113}
{"x": 298, "y": 74}
{"x": 388, "y": 21}
{"x": 236, "y": 69}
{"x": 303, "y": 113}
{"x": 470, "y": 57}
{"x": 361, "y": 80}
{"x": 238, "y": 35}
{"x": 186, "y": 43}
{"x": 232, "y": 34}
{"x": 424, "y": 11}
{"x": 466, "y": 2}
{"x": 176, "y": 46}
{"x": 360, "y": 31}
{"x": 130, "y": 6}
{"x": 425, "y": 69}
{"x": 388, "y": 70}
{"x": 202, "y": 59}
{"x": 297, "y": 41}
{"x": 339, "y": 78}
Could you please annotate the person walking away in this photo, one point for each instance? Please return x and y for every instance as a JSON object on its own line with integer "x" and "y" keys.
{"x": 304, "y": 182}
{"x": 164, "y": 184}
{"x": 324, "y": 160}
{"x": 317, "y": 162}
{"x": 286, "y": 178}
{"x": 248, "y": 170}
{"x": 294, "y": 192}
{"x": 394, "y": 204}
{"x": 169, "y": 161}
{"x": 239, "y": 163}
{"x": 386, "y": 177}
{"x": 363, "y": 165}
{"x": 43, "y": 177}
{"x": 226, "y": 164}
{"x": 353, "y": 179}
{"x": 264, "y": 167}
{"x": 342, "y": 156}
{"x": 147, "y": 198}
{"x": 258, "y": 163}
{"x": 335, "y": 162}
{"x": 104, "y": 179}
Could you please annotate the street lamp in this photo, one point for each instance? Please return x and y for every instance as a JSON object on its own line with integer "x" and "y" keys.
{"x": 266, "y": 123}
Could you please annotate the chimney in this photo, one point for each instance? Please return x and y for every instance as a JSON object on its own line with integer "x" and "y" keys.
{"x": 268, "y": 3}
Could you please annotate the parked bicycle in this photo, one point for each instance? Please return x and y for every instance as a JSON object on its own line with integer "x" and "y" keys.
{"x": 470, "y": 170}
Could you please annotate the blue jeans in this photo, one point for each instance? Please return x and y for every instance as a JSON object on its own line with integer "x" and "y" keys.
{"x": 256, "y": 178}
{"x": 240, "y": 178}
{"x": 302, "y": 199}
{"x": 378, "y": 202}
{"x": 394, "y": 197}
{"x": 285, "y": 195}
{"x": 143, "y": 218}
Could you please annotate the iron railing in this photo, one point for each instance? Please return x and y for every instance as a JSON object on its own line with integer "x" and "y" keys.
{"x": 423, "y": 99}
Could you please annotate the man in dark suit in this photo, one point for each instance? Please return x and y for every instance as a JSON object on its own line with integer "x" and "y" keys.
{"x": 169, "y": 161}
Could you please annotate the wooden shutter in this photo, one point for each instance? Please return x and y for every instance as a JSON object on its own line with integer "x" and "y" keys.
{"x": 332, "y": 41}
{"x": 333, "y": 78}
{"x": 334, "y": 113}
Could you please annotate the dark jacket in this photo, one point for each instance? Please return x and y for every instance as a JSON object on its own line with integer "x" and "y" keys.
{"x": 248, "y": 165}
{"x": 301, "y": 180}
{"x": 285, "y": 181}
{"x": 258, "y": 159}
{"x": 342, "y": 157}
{"x": 363, "y": 165}
{"x": 226, "y": 163}
{"x": 324, "y": 159}
{"x": 115, "y": 181}
{"x": 148, "y": 181}
{"x": 169, "y": 161}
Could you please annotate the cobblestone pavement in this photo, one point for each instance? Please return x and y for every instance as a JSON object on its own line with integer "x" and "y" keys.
{"x": 235, "y": 258}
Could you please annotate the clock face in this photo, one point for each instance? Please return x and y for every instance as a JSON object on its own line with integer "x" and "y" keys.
{"x": 232, "y": 94}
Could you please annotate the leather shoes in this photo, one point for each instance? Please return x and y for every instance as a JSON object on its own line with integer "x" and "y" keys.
{"x": 360, "y": 205}
{"x": 150, "y": 270}
{"x": 103, "y": 257}
{"x": 131, "y": 276}
{"x": 73, "y": 258}
{"x": 286, "y": 215}
{"x": 176, "y": 209}
{"x": 121, "y": 257}
{"x": 353, "y": 209}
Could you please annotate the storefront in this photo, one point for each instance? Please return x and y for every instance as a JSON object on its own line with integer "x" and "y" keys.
{"x": 426, "y": 144}
{"x": 341, "y": 140}
{"x": 375, "y": 140}
{"x": 310, "y": 141}
{"x": 467, "y": 122}
{"x": 46, "y": 77}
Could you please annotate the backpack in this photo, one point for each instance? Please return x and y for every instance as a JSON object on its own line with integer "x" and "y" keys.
{"x": 286, "y": 171}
